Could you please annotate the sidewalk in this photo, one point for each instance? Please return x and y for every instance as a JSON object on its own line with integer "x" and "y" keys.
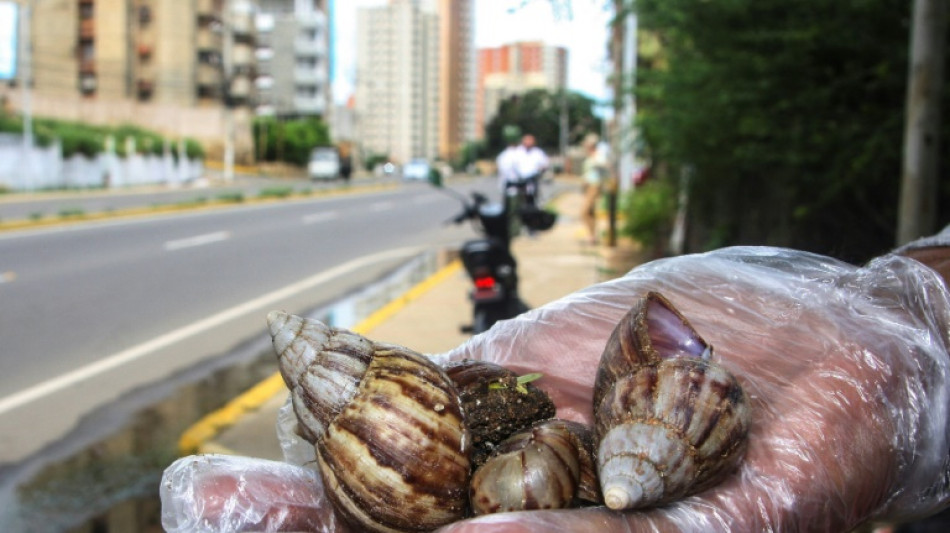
{"x": 427, "y": 319}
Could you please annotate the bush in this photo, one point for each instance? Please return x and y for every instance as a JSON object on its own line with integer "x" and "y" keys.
{"x": 649, "y": 210}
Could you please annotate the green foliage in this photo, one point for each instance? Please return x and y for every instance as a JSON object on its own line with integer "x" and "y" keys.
{"x": 469, "y": 153}
{"x": 231, "y": 197}
{"x": 375, "y": 159}
{"x": 276, "y": 192}
{"x": 89, "y": 140}
{"x": 538, "y": 112}
{"x": 290, "y": 141}
{"x": 648, "y": 212}
{"x": 791, "y": 114}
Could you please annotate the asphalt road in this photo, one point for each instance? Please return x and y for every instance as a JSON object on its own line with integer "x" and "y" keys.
{"x": 90, "y": 311}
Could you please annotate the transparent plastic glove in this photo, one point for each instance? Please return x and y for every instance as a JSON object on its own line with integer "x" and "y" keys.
{"x": 846, "y": 368}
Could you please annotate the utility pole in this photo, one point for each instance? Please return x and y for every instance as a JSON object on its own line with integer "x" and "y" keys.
{"x": 917, "y": 210}
{"x": 227, "y": 61}
{"x": 26, "y": 73}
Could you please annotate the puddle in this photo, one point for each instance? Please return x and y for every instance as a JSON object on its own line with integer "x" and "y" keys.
{"x": 90, "y": 483}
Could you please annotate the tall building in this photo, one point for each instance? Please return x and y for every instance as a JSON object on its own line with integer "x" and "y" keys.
{"x": 457, "y": 75}
{"x": 159, "y": 64}
{"x": 397, "y": 80}
{"x": 293, "y": 67}
{"x": 515, "y": 69}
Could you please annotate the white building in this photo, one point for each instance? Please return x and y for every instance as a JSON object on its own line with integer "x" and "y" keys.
{"x": 397, "y": 80}
{"x": 293, "y": 67}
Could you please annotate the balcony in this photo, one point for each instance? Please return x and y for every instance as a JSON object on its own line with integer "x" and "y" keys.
{"x": 309, "y": 76}
{"x": 87, "y": 28}
{"x": 205, "y": 39}
{"x": 144, "y": 87}
{"x": 309, "y": 48}
{"x": 241, "y": 88}
{"x": 208, "y": 75}
{"x": 309, "y": 104}
{"x": 144, "y": 51}
{"x": 87, "y": 66}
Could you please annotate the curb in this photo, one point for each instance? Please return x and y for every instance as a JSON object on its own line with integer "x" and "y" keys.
{"x": 197, "y": 438}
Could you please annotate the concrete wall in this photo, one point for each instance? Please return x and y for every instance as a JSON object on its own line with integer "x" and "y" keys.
{"x": 23, "y": 169}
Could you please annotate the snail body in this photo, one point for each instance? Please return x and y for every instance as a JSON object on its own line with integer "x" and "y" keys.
{"x": 669, "y": 422}
{"x": 387, "y": 424}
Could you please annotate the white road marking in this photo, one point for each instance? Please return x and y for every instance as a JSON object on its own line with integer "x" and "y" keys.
{"x": 198, "y": 240}
{"x": 381, "y": 206}
{"x": 69, "y": 379}
{"x": 319, "y": 217}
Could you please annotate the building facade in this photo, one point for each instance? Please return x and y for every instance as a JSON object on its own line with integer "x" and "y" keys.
{"x": 515, "y": 69}
{"x": 293, "y": 67}
{"x": 166, "y": 65}
{"x": 397, "y": 80}
{"x": 457, "y": 75}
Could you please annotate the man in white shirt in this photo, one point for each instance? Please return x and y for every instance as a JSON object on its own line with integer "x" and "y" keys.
{"x": 530, "y": 164}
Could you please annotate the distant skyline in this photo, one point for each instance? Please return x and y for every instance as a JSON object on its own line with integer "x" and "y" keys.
{"x": 585, "y": 37}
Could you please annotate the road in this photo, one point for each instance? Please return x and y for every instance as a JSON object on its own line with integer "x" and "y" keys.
{"x": 88, "y": 312}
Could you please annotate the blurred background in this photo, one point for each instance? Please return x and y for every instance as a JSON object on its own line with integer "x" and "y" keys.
{"x": 169, "y": 166}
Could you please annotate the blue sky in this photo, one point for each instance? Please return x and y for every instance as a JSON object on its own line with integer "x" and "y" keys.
{"x": 585, "y": 36}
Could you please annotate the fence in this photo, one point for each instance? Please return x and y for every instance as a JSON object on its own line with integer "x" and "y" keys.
{"x": 43, "y": 168}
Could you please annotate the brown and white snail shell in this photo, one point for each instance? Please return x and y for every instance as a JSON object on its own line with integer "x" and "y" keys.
{"x": 670, "y": 423}
{"x": 387, "y": 424}
{"x": 547, "y": 466}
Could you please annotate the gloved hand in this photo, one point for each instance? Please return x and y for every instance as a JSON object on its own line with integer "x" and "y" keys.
{"x": 846, "y": 368}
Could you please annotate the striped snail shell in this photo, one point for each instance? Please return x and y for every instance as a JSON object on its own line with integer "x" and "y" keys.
{"x": 386, "y": 422}
{"x": 669, "y": 422}
{"x": 547, "y": 466}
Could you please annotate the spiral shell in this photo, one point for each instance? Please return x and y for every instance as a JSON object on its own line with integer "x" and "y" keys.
{"x": 387, "y": 424}
{"x": 669, "y": 422}
{"x": 548, "y": 466}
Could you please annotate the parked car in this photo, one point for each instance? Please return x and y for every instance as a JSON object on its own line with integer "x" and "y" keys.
{"x": 324, "y": 163}
{"x": 416, "y": 169}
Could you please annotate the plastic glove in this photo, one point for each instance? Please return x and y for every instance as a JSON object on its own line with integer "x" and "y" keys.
{"x": 847, "y": 371}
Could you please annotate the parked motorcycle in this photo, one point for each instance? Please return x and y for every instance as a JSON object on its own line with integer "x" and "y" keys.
{"x": 488, "y": 260}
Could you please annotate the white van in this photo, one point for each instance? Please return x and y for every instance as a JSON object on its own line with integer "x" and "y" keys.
{"x": 324, "y": 163}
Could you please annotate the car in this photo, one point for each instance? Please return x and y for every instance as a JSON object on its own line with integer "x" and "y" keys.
{"x": 416, "y": 169}
{"x": 324, "y": 163}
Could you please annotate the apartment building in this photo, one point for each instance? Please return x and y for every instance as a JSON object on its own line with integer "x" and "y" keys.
{"x": 457, "y": 75}
{"x": 293, "y": 66}
{"x": 168, "y": 65}
{"x": 514, "y": 69}
{"x": 397, "y": 80}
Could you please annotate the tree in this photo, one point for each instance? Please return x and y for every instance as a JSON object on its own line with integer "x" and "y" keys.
{"x": 790, "y": 113}
{"x": 538, "y": 112}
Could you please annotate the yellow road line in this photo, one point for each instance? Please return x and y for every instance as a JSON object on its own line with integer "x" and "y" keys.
{"x": 196, "y": 439}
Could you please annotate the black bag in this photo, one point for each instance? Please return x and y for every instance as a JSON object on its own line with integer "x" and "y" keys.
{"x": 536, "y": 218}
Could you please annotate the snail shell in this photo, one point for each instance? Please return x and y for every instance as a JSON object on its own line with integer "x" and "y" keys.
{"x": 387, "y": 424}
{"x": 670, "y": 423}
{"x": 547, "y": 466}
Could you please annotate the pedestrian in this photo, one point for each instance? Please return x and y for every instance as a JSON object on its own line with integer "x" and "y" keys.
{"x": 594, "y": 172}
{"x": 846, "y": 368}
{"x": 531, "y": 163}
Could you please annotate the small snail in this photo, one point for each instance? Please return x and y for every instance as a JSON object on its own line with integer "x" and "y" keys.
{"x": 387, "y": 424}
{"x": 670, "y": 423}
{"x": 547, "y": 466}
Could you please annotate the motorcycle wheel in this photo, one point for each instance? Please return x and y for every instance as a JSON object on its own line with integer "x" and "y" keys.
{"x": 485, "y": 318}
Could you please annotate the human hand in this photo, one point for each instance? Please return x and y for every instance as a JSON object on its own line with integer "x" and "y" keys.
{"x": 846, "y": 370}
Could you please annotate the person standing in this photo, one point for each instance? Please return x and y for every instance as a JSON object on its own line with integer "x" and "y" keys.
{"x": 594, "y": 172}
{"x": 531, "y": 162}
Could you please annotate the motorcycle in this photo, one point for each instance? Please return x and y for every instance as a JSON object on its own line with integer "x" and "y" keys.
{"x": 488, "y": 261}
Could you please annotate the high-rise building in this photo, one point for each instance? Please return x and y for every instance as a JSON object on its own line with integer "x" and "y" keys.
{"x": 457, "y": 75}
{"x": 515, "y": 69}
{"x": 397, "y": 80}
{"x": 167, "y": 65}
{"x": 293, "y": 67}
